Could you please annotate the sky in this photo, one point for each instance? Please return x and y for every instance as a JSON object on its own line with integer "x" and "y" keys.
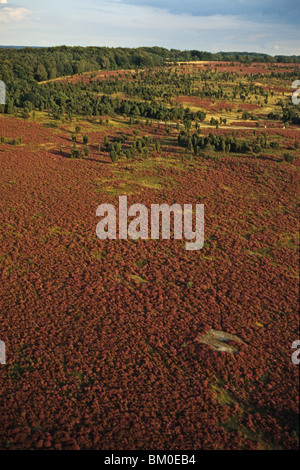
{"x": 268, "y": 26}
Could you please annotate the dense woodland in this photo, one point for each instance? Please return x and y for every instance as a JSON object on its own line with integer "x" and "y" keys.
{"x": 48, "y": 63}
{"x": 39, "y": 64}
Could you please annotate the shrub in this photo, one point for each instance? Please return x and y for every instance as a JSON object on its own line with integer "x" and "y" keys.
{"x": 25, "y": 113}
{"x": 106, "y": 143}
{"x": 274, "y": 145}
{"x": 114, "y": 157}
{"x": 76, "y": 153}
{"x": 289, "y": 157}
{"x": 85, "y": 139}
{"x": 51, "y": 125}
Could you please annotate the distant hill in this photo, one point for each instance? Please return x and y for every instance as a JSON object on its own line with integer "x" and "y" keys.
{"x": 164, "y": 54}
{"x": 18, "y": 47}
{"x": 12, "y": 47}
{"x": 37, "y": 64}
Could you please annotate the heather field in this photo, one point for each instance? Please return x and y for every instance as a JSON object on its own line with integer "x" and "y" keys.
{"x": 102, "y": 336}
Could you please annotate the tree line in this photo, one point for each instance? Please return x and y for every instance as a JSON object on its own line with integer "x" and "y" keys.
{"x": 42, "y": 64}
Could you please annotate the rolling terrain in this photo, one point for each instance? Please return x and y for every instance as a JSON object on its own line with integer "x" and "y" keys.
{"x": 102, "y": 337}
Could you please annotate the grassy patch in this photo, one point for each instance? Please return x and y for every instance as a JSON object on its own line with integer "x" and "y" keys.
{"x": 221, "y": 395}
{"x": 98, "y": 255}
{"x": 261, "y": 252}
{"x": 289, "y": 240}
{"x": 126, "y": 183}
{"x": 233, "y": 425}
{"x": 138, "y": 279}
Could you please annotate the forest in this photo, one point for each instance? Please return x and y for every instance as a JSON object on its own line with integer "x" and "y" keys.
{"x": 30, "y": 73}
{"x": 42, "y": 64}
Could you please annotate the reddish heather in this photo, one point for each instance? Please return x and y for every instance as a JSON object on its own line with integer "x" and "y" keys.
{"x": 241, "y": 69}
{"x": 98, "y": 359}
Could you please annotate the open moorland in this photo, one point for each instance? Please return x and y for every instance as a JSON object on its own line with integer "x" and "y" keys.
{"x": 102, "y": 336}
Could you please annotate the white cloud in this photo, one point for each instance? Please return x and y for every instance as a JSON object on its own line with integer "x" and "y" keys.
{"x": 116, "y": 23}
{"x": 122, "y": 23}
{"x": 13, "y": 13}
{"x": 159, "y": 18}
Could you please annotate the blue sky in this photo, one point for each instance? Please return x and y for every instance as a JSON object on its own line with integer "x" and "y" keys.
{"x": 270, "y": 26}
